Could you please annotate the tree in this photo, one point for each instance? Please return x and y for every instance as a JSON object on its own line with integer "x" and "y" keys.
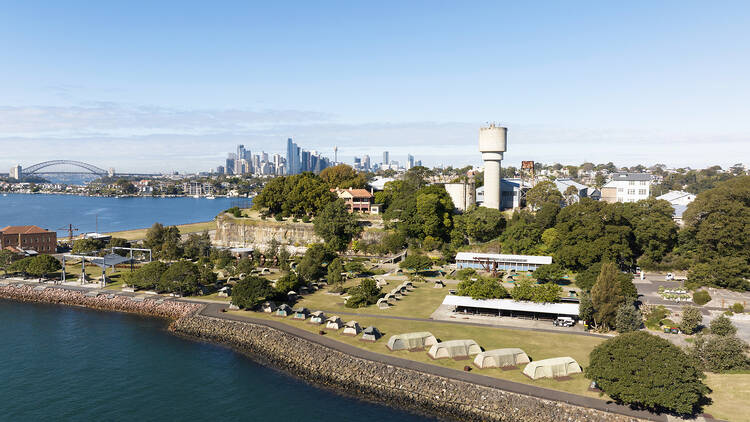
{"x": 416, "y": 263}
{"x": 546, "y": 293}
{"x": 570, "y": 195}
{"x": 118, "y": 242}
{"x": 363, "y": 295}
{"x": 287, "y": 283}
{"x": 643, "y": 370}
{"x": 722, "y": 326}
{"x": 196, "y": 246}
{"x": 628, "y": 318}
{"x": 20, "y": 266}
{"x": 311, "y": 268}
{"x": 181, "y": 277}
{"x": 606, "y": 296}
{"x": 335, "y": 268}
{"x": 6, "y": 259}
{"x": 586, "y": 309}
{"x": 723, "y": 272}
{"x": 720, "y": 353}
{"x": 654, "y": 230}
{"x": 244, "y": 267}
{"x": 354, "y": 267}
{"x": 250, "y": 291}
{"x": 146, "y": 277}
{"x": 482, "y": 288}
{"x": 41, "y": 265}
{"x": 522, "y": 235}
{"x": 546, "y": 215}
{"x": 481, "y": 224}
{"x": 549, "y": 273}
{"x": 691, "y": 319}
{"x": 336, "y": 225}
{"x": 343, "y": 176}
{"x": 84, "y": 246}
{"x": 542, "y": 193}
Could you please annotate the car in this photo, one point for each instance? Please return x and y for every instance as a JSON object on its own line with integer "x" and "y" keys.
{"x": 564, "y": 322}
{"x": 669, "y": 277}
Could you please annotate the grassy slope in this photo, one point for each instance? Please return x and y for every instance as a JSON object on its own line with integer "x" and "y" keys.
{"x": 139, "y": 234}
{"x": 730, "y": 396}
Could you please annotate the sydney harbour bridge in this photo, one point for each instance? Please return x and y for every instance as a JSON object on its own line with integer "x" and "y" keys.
{"x": 68, "y": 167}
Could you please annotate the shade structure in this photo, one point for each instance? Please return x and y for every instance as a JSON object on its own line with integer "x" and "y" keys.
{"x": 501, "y": 358}
{"x": 454, "y": 349}
{"x": 371, "y": 334}
{"x": 268, "y": 307}
{"x": 552, "y": 368}
{"x": 317, "y": 317}
{"x": 284, "y": 310}
{"x": 352, "y": 328}
{"x": 409, "y": 341}
{"x": 334, "y": 323}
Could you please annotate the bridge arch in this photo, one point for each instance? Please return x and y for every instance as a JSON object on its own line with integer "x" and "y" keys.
{"x": 89, "y": 167}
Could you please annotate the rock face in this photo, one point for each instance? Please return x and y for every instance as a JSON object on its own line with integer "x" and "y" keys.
{"x": 231, "y": 232}
{"x": 405, "y": 388}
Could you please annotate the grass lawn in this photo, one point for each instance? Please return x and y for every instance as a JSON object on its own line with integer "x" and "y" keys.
{"x": 537, "y": 345}
{"x": 730, "y": 396}
{"x": 420, "y": 303}
{"x": 139, "y": 234}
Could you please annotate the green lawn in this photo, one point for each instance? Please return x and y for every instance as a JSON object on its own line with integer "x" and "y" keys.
{"x": 139, "y": 234}
{"x": 730, "y": 396}
{"x": 536, "y": 345}
{"x": 419, "y": 303}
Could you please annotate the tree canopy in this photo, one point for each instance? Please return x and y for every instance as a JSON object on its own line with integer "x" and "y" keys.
{"x": 482, "y": 288}
{"x": 250, "y": 291}
{"x": 343, "y": 176}
{"x": 336, "y": 225}
{"x": 542, "y": 193}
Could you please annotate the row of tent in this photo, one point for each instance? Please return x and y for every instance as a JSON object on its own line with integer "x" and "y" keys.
{"x": 350, "y": 328}
{"x": 496, "y": 358}
{"x": 395, "y": 294}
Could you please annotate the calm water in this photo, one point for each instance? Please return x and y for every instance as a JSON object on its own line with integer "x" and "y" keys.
{"x": 114, "y": 214}
{"x": 62, "y": 363}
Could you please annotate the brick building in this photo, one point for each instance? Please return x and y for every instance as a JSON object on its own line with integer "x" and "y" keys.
{"x": 28, "y": 238}
{"x": 358, "y": 200}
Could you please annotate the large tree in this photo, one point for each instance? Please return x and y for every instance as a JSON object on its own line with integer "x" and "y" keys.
{"x": 542, "y": 193}
{"x": 336, "y": 225}
{"x": 250, "y": 291}
{"x": 480, "y": 224}
{"x": 41, "y": 265}
{"x": 644, "y": 370}
{"x": 146, "y": 277}
{"x": 181, "y": 277}
{"x": 343, "y": 176}
{"x": 313, "y": 263}
{"x": 606, "y": 296}
{"x": 482, "y": 288}
{"x": 654, "y": 230}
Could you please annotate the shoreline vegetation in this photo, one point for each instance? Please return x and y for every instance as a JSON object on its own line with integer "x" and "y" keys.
{"x": 405, "y": 387}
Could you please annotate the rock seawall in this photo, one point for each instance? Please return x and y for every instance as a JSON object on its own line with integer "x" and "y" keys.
{"x": 378, "y": 381}
{"x": 168, "y": 309}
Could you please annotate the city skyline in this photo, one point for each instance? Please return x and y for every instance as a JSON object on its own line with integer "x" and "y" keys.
{"x": 587, "y": 82}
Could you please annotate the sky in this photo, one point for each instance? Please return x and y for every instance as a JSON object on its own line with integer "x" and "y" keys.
{"x": 174, "y": 86}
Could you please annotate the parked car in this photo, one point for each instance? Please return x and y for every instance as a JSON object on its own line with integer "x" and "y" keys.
{"x": 669, "y": 277}
{"x": 564, "y": 322}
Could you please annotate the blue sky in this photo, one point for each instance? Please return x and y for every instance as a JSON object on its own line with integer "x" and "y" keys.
{"x": 141, "y": 86}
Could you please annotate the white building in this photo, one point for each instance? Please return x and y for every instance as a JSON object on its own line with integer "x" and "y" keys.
{"x": 494, "y": 261}
{"x": 16, "y": 172}
{"x": 510, "y": 193}
{"x": 677, "y": 197}
{"x": 627, "y": 187}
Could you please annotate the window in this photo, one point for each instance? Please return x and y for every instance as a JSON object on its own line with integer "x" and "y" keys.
{"x": 631, "y": 191}
{"x": 641, "y": 191}
{"x": 620, "y": 189}
{"x": 643, "y": 183}
{"x": 631, "y": 183}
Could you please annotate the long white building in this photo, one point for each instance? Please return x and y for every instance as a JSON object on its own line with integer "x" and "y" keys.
{"x": 627, "y": 187}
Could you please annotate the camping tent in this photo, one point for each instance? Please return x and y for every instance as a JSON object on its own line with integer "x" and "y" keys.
{"x": 552, "y": 368}
{"x": 454, "y": 349}
{"x": 383, "y": 303}
{"x": 409, "y": 341}
{"x": 390, "y": 298}
{"x": 396, "y": 293}
{"x": 284, "y": 310}
{"x": 501, "y": 358}
{"x": 352, "y": 328}
{"x": 301, "y": 313}
{"x": 439, "y": 284}
{"x": 317, "y": 317}
{"x": 371, "y": 334}
{"x": 334, "y": 323}
{"x": 268, "y": 307}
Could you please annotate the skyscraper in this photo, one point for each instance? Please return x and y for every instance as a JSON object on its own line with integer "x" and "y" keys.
{"x": 366, "y": 162}
{"x": 386, "y": 161}
{"x": 410, "y": 159}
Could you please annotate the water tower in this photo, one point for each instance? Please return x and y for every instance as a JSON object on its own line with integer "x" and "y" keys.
{"x": 492, "y": 145}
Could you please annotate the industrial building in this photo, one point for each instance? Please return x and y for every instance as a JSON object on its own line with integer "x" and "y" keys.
{"x": 511, "y": 308}
{"x": 512, "y": 192}
{"x": 492, "y": 145}
{"x": 28, "y": 239}
{"x": 493, "y": 262}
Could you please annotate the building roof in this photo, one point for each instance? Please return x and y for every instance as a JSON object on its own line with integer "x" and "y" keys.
{"x": 512, "y": 305}
{"x": 679, "y": 210}
{"x": 674, "y": 195}
{"x": 23, "y": 230}
{"x": 562, "y": 184}
{"x": 630, "y": 176}
{"x": 530, "y": 259}
{"x": 355, "y": 193}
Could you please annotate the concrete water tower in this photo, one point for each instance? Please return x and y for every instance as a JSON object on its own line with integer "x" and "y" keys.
{"x": 492, "y": 145}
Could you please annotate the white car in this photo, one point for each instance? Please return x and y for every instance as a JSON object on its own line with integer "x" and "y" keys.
{"x": 564, "y": 322}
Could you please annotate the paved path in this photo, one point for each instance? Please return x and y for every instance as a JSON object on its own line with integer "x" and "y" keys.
{"x": 214, "y": 310}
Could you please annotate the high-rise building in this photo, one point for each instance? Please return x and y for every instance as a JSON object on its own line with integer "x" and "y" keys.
{"x": 16, "y": 172}
{"x": 410, "y": 160}
{"x": 292, "y": 157}
{"x": 220, "y": 170}
{"x": 366, "y": 162}
{"x": 230, "y": 163}
{"x": 386, "y": 161}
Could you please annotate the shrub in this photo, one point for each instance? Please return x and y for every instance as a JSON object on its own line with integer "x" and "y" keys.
{"x": 647, "y": 371}
{"x": 701, "y": 297}
{"x": 737, "y": 308}
{"x": 654, "y": 315}
{"x": 278, "y": 217}
{"x": 628, "y": 318}
{"x": 722, "y": 326}
{"x": 482, "y": 288}
{"x": 305, "y": 218}
{"x": 720, "y": 353}
{"x": 365, "y": 294}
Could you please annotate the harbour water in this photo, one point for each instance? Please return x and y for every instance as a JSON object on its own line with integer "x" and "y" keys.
{"x": 88, "y": 213}
{"x": 72, "y": 364}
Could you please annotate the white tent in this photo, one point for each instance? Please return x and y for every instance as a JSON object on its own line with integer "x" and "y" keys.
{"x": 301, "y": 313}
{"x": 383, "y": 303}
{"x": 317, "y": 317}
{"x": 268, "y": 307}
{"x": 501, "y": 358}
{"x": 409, "y": 341}
{"x": 351, "y": 328}
{"x": 284, "y": 310}
{"x": 371, "y": 334}
{"x": 454, "y": 349}
{"x": 334, "y": 323}
{"x": 552, "y": 368}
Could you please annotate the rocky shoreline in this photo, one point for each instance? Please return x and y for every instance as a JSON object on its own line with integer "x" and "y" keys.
{"x": 374, "y": 381}
{"x": 322, "y": 366}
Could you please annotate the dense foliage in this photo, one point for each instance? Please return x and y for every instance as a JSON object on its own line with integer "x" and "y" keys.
{"x": 416, "y": 263}
{"x": 482, "y": 288}
{"x": 367, "y": 293}
{"x": 691, "y": 319}
{"x": 607, "y": 296}
{"x": 644, "y": 370}
{"x": 541, "y": 293}
{"x": 297, "y": 195}
{"x": 250, "y": 291}
{"x": 336, "y": 225}
{"x": 717, "y": 353}
{"x": 628, "y": 318}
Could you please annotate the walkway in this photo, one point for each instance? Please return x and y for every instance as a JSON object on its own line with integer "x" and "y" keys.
{"x": 214, "y": 310}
